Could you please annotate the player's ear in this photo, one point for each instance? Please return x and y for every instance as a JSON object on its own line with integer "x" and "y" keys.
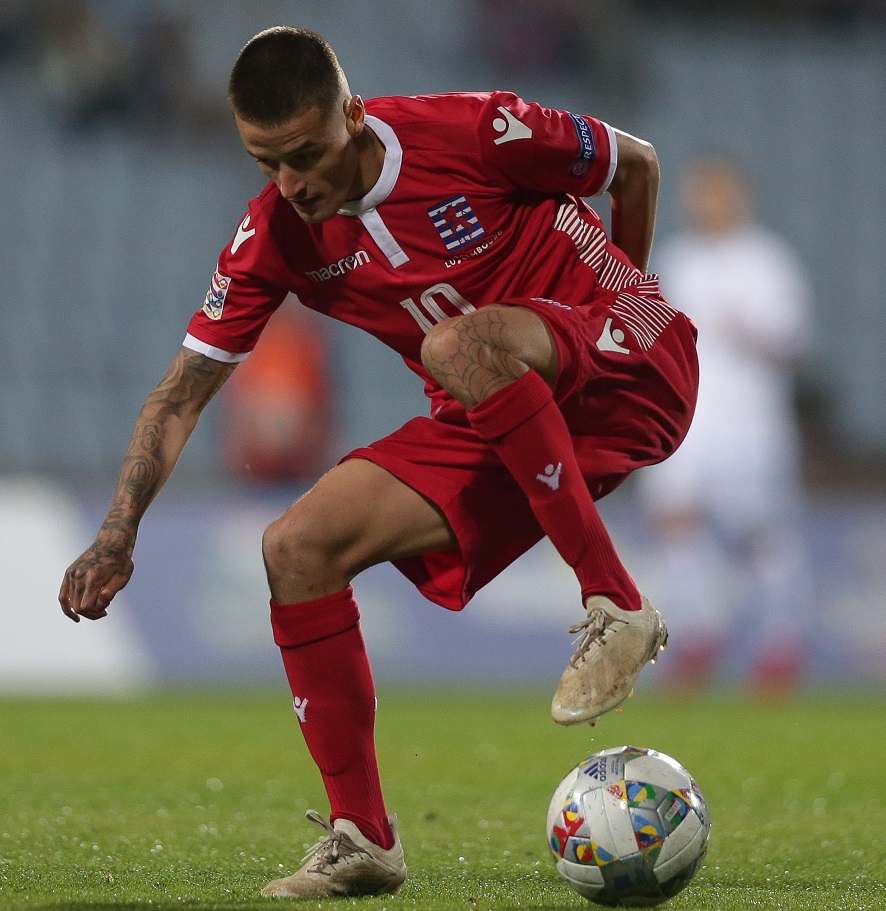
{"x": 355, "y": 114}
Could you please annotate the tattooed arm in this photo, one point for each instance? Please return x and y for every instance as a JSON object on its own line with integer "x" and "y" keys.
{"x": 162, "y": 429}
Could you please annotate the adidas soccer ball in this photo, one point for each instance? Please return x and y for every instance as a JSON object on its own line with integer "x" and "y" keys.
{"x": 628, "y": 827}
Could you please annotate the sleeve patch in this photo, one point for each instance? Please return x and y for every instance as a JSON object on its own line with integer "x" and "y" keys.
{"x": 215, "y": 296}
{"x": 586, "y": 150}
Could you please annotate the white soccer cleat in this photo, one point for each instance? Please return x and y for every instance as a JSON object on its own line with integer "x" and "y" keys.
{"x": 344, "y": 863}
{"x": 614, "y": 647}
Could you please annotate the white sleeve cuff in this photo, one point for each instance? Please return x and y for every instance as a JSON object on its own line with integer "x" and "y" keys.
{"x": 613, "y": 159}
{"x": 217, "y": 354}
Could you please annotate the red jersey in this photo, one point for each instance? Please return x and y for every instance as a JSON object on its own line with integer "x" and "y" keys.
{"x": 478, "y": 202}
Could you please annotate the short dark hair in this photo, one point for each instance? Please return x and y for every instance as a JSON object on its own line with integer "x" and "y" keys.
{"x": 283, "y": 72}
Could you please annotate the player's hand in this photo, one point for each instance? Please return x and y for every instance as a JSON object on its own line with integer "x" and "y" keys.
{"x": 93, "y": 579}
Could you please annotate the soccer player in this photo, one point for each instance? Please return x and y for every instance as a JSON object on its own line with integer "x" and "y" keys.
{"x": 452, "y": 228}
{"x": 725, "y": 513}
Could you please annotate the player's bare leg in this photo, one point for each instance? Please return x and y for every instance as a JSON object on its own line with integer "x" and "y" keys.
{"x": 476, "y": 355}
{"x": 501, "y": 362}
{"x": 355, "y": 516}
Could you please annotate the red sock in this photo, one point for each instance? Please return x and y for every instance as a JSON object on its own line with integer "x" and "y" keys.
{"x": 334, "y": 698}
{"x": 527, "y": 430}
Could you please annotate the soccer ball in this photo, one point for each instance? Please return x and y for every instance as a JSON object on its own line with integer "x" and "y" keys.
{"x": 628, "y": 827}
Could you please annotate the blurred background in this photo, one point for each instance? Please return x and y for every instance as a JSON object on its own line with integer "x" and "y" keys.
{"x": 123, "y": 178}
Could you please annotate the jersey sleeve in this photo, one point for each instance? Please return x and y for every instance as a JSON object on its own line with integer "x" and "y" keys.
{"x": 537, "y": 148}
{"x": 242, "y": 295}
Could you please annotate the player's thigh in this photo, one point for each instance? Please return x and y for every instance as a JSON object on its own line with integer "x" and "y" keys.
{"x": 359, "y": 515}
{"x": 524, "y": 334}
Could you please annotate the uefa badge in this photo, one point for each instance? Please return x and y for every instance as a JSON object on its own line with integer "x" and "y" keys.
{"x": 215, "y": 296}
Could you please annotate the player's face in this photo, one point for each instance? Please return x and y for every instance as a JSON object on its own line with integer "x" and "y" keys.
{"x": 318, "y": 161}
{"x": 715, "y": 198}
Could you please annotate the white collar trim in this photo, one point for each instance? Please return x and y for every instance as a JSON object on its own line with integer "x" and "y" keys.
{"x": 390, "y": 170}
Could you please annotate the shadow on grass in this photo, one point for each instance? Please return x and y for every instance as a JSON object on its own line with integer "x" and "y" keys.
{"x": 212, "y": 906}
{"x": 146, "y": 905}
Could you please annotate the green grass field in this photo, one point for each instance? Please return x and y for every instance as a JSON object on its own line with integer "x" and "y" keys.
{"x": 189, "y": 800}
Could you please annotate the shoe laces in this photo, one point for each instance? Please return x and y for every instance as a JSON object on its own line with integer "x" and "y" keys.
{"x": 332, "y": 848}
{"x": 598, "y": 624}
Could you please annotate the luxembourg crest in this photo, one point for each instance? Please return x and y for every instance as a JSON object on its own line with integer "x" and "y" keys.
{"x": 456, "y": 222}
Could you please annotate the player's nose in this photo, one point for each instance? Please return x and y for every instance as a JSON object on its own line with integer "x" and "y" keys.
{"x": 291, "y": 183}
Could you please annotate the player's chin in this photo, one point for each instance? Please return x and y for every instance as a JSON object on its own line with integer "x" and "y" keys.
{"x": 314, "y": 211}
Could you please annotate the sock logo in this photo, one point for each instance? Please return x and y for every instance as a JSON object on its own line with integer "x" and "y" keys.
{"x": 551, "y": 476}
{"x": 301, "y": 708}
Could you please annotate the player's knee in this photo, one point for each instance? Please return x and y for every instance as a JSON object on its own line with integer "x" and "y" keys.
{"x": 294, "y": 544}
{"x": 441, "y": 345}
{"x": 499, "y": 329}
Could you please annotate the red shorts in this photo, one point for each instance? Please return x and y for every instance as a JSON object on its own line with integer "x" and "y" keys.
{"x": 626, "y": 384}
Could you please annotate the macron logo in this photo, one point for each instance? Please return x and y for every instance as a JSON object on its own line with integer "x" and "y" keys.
{"x": 337, "y": 269}
{"x": 551, "y": 477}
{"x": 611, "y": 339}
{"x": 301, "y": 708}
{"x": 510, "y": 127}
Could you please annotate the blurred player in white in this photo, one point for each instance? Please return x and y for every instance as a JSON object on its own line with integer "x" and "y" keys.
{"x": 453, "y": 228}
{"x": 725, "y": 509}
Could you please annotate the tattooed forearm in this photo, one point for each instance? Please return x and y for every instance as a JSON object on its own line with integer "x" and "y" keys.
{"x": 161, "y": 431}
{"x": 140, "y": 477}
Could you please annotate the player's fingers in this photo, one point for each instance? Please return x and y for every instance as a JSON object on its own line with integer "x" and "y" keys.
{"x": 91, "y": 603}
{"x": 66, "y": 600}
{"x": 71, "y": 613}
{"x": 94, "y": 613}
{"x": 113, "y": 585}
{"x": 88, "y": 589}
{"x": 91, "y": 599}
{"x": 99, "y": 592}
